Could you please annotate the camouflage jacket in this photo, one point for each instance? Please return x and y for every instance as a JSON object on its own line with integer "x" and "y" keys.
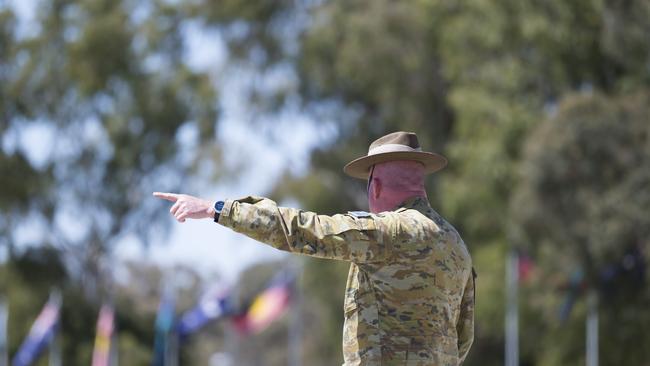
{"x": 410, "y": 292}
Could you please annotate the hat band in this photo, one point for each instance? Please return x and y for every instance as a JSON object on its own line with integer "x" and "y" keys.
{"x": 391, "y": 148}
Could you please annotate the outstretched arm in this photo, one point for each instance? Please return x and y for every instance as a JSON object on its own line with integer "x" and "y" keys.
{"x": 341, "y": 237}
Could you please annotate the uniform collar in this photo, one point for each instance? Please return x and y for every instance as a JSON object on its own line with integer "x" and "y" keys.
{"x": 417, "y": 203}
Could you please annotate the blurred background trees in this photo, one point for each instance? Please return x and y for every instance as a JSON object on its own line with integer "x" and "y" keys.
{"x": 541, "y": 107}
{"x": 105, "y": 85}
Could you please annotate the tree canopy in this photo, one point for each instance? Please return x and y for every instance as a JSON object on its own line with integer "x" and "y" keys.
{"x": 105, "y": 84}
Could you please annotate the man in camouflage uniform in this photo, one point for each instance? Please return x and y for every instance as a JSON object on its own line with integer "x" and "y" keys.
{"x": 410, "y": 293}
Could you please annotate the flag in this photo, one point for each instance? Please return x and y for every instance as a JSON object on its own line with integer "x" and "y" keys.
{"x": 41, "y": 333}
{"x": 105, "y": 328}
{"x": 211, "y": 307}
{"x": 525, "y": 267}
{"x": 164, "y": 327}
{"x": 268, "y": 305}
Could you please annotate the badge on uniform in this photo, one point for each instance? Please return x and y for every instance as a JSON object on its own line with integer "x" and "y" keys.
{"x": 359, "y": 214}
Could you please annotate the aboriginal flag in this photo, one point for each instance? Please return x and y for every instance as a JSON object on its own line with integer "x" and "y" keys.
{"x": 269, "y": 305}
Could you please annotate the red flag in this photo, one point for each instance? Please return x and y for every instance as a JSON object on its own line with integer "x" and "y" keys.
{"x": 526, "y": 267}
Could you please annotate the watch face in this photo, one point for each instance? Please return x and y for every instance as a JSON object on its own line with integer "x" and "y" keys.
{"x": 218, "y": 206}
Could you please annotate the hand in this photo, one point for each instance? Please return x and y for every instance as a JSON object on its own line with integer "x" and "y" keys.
{"x": 187, "y": 207}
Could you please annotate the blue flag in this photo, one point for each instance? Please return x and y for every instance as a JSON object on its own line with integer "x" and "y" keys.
{"x": 211, "y": 307}
{"x": 41, "y": 333}
{"x": 164, "y": 325}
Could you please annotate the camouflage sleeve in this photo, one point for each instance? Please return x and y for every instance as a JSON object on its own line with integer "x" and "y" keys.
{"x": 341, "y": 237}
{"x": 465, "y": 325}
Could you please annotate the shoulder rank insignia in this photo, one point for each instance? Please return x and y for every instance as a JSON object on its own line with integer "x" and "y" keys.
{"x": 359, "y": 214}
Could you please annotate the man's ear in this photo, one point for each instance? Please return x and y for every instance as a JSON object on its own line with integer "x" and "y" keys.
{"x": 376, "y": 192}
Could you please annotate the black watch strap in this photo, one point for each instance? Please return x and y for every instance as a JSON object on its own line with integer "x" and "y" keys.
{"x": 218, "y": 206}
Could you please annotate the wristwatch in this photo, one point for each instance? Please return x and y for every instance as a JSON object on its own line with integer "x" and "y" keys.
{"x": 218, "y": 206}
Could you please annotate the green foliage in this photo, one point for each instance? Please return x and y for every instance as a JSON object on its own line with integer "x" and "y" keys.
{"x": 584, "y": 172}
{"x": 581, "y": 193}
{"x": 22, "y": 182}
{"x": 108, "y": 80}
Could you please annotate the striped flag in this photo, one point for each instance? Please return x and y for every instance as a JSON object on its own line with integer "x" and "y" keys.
{"x": 41, "y": 333}
{"x": 269, "y": 305}
{"x": 105, "y": 328}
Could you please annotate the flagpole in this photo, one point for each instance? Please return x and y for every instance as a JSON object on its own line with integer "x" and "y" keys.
{"x": 55, "y": 351}
{"x": 166, "y": 351}
{"x": 114, "y": 355}
{"x": 232, "y": 337}
{"x": 173, "y": 349}
{"x": 512, "y": 311}
{"x": 4, "y": 318}
{"x": 295, "y": 324}
{"x": 55, "y": 345}
{"x": 172, "y": 340}
{"x": 592, "y": 329}
{"x": 113, "y": 352}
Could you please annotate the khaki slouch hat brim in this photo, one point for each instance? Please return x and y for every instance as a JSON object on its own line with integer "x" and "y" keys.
{"x": 395, "y": 146}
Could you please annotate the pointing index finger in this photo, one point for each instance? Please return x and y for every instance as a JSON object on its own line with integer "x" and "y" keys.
{"x": 166, "y": 196}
